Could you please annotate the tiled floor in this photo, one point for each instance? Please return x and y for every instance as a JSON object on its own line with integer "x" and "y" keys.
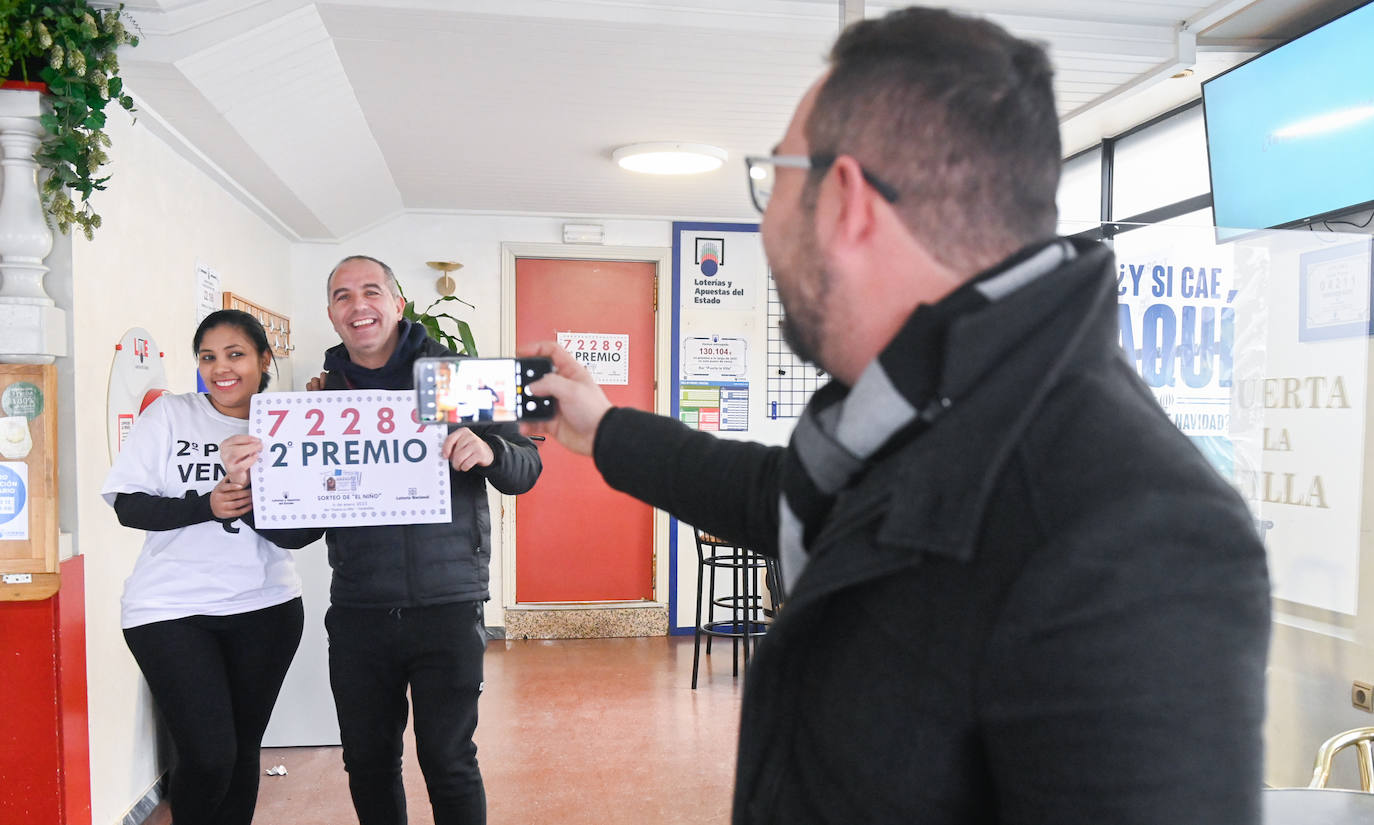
{"x": 604, "y": 731}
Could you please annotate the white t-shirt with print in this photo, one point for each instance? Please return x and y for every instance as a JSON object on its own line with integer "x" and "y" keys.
{"x": 202, "y": 569}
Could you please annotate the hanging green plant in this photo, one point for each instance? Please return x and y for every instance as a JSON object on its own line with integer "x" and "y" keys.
{"x": 71, "y": 47}
{"x": 462, "y": 343}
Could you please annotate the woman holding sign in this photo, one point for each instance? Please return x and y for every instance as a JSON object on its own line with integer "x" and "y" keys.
{"x": 212, "y": 611}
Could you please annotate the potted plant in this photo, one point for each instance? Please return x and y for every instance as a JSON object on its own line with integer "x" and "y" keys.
{"x": 70, "y": 47}
{"x": 462, "y": 343}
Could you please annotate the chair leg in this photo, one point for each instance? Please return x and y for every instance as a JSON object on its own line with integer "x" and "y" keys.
{"x": 711, "y": 601}
{"x": 696, "y": 632}
{"x": 747, "y": 579}
{"x": 1364, "y": 755}
{"x": 734, "y": 620}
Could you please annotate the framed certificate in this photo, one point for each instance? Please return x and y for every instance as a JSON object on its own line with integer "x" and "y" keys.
{"x": 346, "y": 459}
{"x": 1334, "y": 295}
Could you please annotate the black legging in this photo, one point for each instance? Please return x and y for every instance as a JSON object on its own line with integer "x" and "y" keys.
{"x": 215, "y": 680}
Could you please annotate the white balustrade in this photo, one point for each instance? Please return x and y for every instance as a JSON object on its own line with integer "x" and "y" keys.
{"x": 32, "y": 329}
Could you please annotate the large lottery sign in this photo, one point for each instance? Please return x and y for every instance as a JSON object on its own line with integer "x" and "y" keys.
{"x": 352, "y": 458}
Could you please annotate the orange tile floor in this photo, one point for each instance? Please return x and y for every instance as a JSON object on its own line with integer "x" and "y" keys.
{"x": 603, "y": 731}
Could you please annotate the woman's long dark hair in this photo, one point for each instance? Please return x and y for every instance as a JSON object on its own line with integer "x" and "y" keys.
{"x": 246, "y": 324}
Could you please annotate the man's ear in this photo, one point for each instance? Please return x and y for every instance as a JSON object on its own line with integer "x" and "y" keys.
{"x": 844, "y": 205}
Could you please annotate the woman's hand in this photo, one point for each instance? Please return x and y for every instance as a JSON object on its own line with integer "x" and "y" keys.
{"x": 237, "y": 453}
{"x": 230, "y": 500}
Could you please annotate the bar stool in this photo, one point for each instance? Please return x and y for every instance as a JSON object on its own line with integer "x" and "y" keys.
{"x": 743, "y": 620}
{"x": 1362, "y": 740}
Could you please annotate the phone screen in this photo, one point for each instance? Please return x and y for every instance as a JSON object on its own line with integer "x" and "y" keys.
{"x": 478, "y": 390}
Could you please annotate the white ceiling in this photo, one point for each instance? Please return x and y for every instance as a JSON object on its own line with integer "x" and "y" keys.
{"x": 329, "y": 117}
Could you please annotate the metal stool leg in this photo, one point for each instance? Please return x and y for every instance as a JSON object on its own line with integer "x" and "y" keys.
{"x": 711, "y": 600}
{"x": 696, "y": 632}
{"x": 747, "y": 586}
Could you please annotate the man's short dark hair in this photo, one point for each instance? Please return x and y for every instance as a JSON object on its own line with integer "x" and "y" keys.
{"x": 959, "y": 117}
{"x": 393, "y": 286}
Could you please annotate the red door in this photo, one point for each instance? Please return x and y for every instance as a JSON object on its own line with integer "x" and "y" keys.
{"x": 579, "y": 540}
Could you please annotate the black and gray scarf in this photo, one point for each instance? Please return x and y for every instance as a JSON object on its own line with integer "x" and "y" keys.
{"x": 843, "y": 430}
{"x": 396, "y": 374}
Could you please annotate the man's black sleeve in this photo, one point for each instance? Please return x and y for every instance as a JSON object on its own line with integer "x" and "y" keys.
{"x": 144, "y": 511}
{"x": 729, "y": 488}
{"x": 515, "y": 462}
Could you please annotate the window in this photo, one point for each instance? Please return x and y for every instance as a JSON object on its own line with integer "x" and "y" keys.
{"x": 1161, "y": 164}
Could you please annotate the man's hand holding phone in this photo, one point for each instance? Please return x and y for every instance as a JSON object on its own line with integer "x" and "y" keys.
{"x": 581, "y": 402}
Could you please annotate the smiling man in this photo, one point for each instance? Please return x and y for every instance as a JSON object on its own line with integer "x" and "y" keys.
{"x": 1016, "y": 593}
{"x": 406, "y": 600}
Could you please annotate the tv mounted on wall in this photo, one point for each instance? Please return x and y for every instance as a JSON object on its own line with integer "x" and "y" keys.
{"x": 1290, "y": 133}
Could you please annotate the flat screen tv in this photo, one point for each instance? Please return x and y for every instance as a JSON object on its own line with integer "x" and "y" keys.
{"x": 1290, "y": 133}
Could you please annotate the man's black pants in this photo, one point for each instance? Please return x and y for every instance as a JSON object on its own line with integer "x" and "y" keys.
{"x": 374, "y": 655}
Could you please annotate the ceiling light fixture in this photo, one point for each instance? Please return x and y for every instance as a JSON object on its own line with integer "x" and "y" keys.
{"x": 670, "y": 158}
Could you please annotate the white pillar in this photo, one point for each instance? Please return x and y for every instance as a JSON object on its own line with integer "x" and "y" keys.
{"x": 32, "y": 329}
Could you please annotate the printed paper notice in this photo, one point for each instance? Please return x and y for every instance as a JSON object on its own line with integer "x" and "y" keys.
{"x": 14, "y": 501}
{"x": 332, "y": 459}
{"x": 605, "y": 355}
{"x": 714, "y": 358}
{"x": 207, "y": 291}
{"x": 718, "y": 406}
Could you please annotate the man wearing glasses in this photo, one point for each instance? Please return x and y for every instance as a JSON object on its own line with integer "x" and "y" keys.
{"x": 1017, "y": 594}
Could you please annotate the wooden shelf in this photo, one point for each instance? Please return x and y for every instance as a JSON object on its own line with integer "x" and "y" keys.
{"x": 278, "y": 326}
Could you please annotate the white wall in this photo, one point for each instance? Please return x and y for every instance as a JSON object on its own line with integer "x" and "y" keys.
{"x": 161, "y": 216}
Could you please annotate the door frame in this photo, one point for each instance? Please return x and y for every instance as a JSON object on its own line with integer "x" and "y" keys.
{"x": 661, "y": 257}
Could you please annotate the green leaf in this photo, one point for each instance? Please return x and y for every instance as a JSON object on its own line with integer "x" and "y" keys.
{"x": 469, "y": 343}
{"x": 454, "y": 298}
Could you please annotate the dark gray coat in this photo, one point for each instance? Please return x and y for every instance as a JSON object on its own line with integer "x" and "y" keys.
{"x": 1046, "y": 609}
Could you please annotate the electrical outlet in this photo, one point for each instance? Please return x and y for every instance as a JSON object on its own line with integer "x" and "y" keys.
{"x": 1362, "y": 696}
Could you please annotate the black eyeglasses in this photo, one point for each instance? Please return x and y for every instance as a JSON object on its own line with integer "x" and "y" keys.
{"x": 763, "y": 171}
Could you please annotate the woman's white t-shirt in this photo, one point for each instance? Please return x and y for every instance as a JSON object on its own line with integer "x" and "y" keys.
{"x": 202, "y": 569}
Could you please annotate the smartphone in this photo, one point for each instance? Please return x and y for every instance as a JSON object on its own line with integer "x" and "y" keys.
{"x": 480, "y": 390}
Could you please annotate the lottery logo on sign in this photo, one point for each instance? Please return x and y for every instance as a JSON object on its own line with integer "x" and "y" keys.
{"x": 710, "y": 255}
